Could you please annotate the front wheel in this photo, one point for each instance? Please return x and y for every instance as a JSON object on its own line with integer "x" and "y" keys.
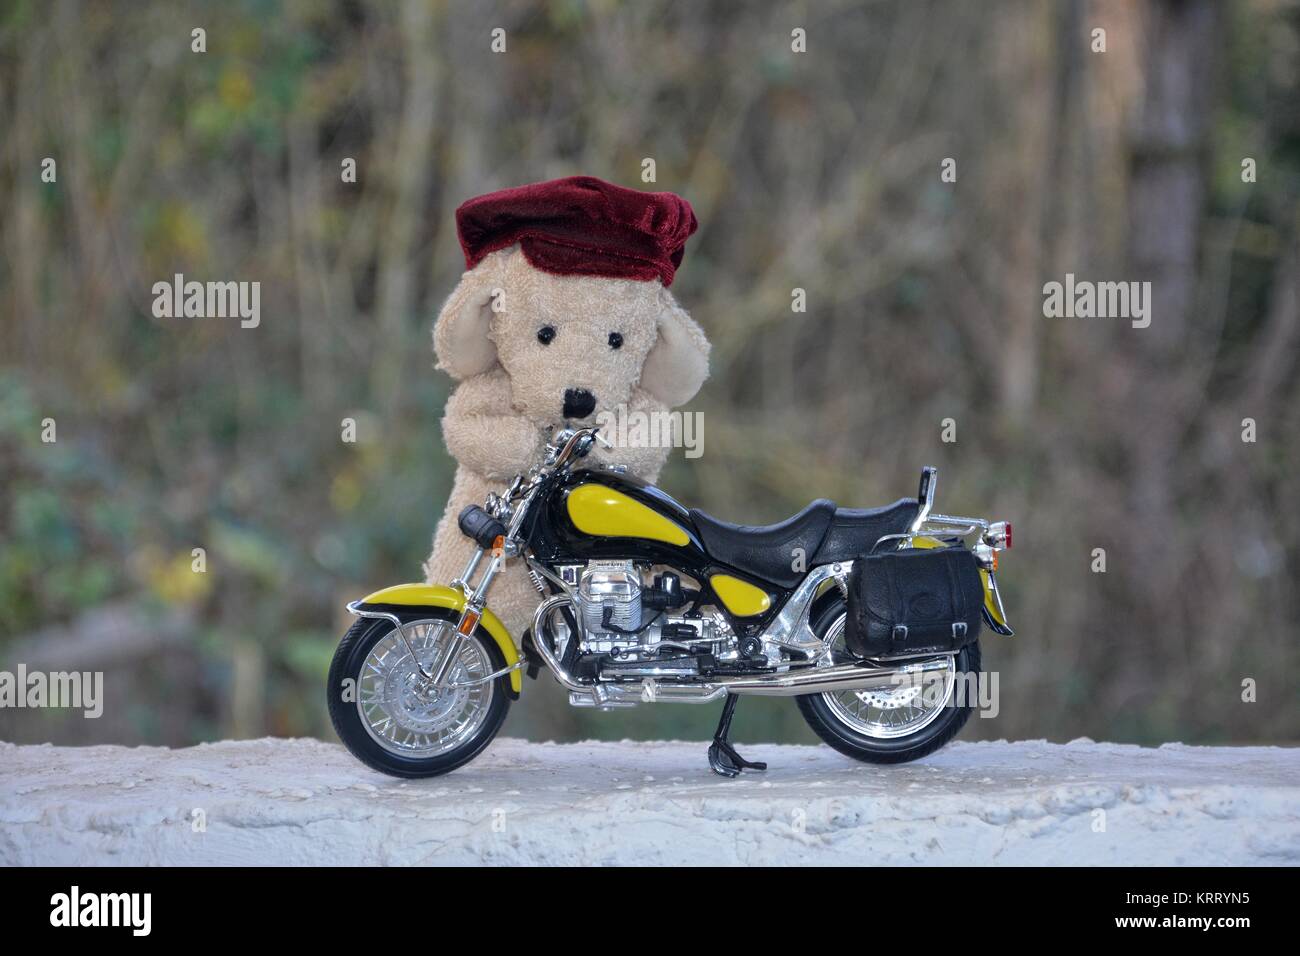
{"x": 389, "y": 719}
{"x": 897, "y": 724}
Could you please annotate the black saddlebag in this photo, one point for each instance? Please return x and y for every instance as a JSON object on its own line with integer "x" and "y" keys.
{"x": 914, "y": 601}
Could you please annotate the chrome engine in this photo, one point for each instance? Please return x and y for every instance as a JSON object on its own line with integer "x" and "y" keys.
{"x": 617, "y": 622}
{"x": 609, "y": 594}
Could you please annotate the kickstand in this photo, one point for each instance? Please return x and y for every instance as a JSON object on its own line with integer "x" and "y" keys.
{"x": 722, "y": 756}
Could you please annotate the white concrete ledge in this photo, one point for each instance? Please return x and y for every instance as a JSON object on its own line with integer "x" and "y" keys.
{"x": 308, "y": 802}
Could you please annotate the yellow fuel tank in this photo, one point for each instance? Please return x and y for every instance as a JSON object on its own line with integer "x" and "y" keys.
{"x": 598, "y": 509}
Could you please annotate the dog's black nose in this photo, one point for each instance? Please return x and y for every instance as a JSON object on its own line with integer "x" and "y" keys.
{"x": 578, "y": 403}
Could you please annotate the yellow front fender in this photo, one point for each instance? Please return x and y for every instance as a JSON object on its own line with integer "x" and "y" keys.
{"x": 416, "y": 596}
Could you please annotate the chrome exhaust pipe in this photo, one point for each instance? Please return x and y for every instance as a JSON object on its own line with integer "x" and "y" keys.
{"x": 819, "y": 680}
{"x": 628, "y": 694}
{"x": 793, "y": 683}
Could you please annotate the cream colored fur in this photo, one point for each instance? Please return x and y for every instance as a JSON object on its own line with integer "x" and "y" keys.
{"x": 511, "y": 391}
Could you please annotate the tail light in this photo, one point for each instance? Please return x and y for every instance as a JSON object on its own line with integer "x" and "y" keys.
{"x": 998, "y": 535}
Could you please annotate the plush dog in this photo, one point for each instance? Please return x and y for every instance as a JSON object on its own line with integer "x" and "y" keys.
{"x": 564, "y": 316}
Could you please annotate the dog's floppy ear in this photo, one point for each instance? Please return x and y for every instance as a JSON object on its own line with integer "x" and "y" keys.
{"x": 460, "y": 336}
{"x": 678, "y": 363}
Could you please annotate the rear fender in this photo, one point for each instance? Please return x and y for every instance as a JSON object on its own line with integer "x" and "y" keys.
{"x": 994, "y": 615}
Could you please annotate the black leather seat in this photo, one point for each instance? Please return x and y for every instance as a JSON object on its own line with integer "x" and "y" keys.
{"x": 767, "y": 551}
{"x": 854, "y": 530}
{"x": 821, "y": 532}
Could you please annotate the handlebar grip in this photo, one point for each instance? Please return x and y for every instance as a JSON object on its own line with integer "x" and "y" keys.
{"x": 476, "y": 523}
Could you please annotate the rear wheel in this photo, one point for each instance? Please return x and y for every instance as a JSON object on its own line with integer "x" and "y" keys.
{"x": 892, "y": 725}
{"x": 385, "y": 714}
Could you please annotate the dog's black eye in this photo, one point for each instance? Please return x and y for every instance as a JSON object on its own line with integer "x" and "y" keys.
{"x": 545, "y": 334}
{"x": 615, "y": 340}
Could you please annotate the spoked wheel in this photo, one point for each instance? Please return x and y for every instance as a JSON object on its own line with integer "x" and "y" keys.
{"x": 894, "y": 724}
{"x": 392, "y": 720}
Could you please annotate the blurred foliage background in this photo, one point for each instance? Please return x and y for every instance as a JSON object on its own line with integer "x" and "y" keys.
{"x": 816, "y": 170}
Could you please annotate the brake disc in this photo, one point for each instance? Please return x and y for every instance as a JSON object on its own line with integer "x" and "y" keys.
{"x": 890, "y": 699}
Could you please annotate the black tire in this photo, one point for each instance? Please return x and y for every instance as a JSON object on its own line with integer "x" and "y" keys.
{"x": 853, "y": 744}
{"x": 348, "y": 659}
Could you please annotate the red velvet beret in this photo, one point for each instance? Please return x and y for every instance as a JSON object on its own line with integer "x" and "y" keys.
{"x": 581, "y": 226}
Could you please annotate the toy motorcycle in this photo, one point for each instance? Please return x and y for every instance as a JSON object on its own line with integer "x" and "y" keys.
{"x": 868, "y": 618}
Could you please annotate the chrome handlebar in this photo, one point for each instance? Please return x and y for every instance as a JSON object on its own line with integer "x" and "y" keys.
{"x": 564, "y": 446}
{"x": 572, "y": 443}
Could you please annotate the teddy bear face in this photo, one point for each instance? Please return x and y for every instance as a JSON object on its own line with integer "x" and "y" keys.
{"x": 572, "y": 346}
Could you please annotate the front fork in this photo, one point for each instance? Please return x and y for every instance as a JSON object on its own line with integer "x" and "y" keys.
{"x": 475, "y": 597}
